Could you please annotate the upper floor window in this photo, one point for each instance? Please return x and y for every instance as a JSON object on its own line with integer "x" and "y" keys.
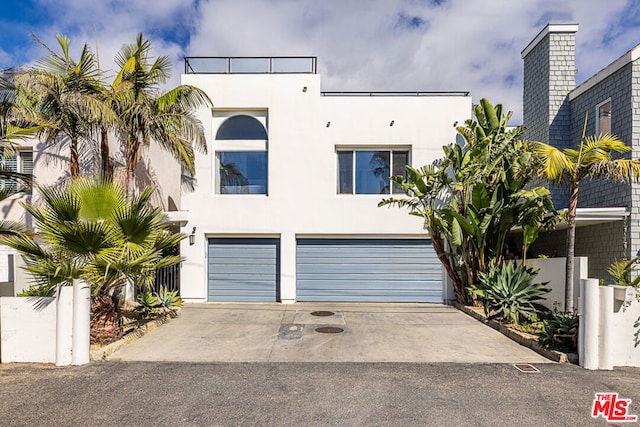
{"x": 368, "y": 171}
{"x": 603, "y": 117}
{"x": 241, "y": 127}
{"x": 241, "y": 156}
{"x": 20, "y": 162}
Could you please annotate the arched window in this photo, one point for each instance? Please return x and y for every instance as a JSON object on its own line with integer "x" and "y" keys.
{"x": 242, "y": 167}
{"x": 241, "y": 127}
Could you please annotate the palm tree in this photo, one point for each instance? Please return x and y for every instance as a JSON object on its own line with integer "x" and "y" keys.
{"x": 62, "y": 96}
{"x": 146, "y": 114}
{"x": 11, "y": 130}
{"x": 90, "y": 229}
{"x": 592, "y": 159}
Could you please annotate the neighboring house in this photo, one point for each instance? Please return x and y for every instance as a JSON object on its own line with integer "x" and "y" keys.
{"x": 554, "y": 112}
{"x": 285, "y": 207}
{"x": 49, "y": 165}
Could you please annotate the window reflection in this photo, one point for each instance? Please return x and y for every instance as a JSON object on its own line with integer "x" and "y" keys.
{"x": 242, "y": 172}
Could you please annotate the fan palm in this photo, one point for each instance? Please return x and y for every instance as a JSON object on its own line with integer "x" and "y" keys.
{"x": 146, "y": 114}
{"x": 592, "y": 159}
{"x": 90, "y": 229}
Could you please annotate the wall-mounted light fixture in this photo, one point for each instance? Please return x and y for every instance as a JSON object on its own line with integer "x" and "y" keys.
{"x": 392, "y": 122}
{"x": 192, "y": 237}
{"x": 304, "y": 89}
{"x": 328, "y": 124}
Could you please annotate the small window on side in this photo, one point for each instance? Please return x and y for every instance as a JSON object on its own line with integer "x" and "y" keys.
{"x": 603, "y": 118}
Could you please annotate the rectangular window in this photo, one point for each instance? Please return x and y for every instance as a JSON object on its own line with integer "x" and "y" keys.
{"x": 368, "y": 171}
{"x": 603, "y": 118}
{"x": 20, "y": 162}
{"x": 242, "y": 172}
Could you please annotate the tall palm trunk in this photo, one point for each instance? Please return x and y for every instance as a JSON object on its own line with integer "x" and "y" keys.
{"x": 73, "y": 158}
{"x": 107, "y": 165}
{"x": 571, "y": 239}
{"x": 132, "y": 156}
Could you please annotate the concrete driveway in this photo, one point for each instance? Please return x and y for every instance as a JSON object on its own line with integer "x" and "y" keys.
{"x": 420, "y": 333}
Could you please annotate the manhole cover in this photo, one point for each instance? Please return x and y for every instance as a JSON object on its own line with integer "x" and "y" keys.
{"x": 524, "y": 367}
{"x": 322, "y": 313}
{"x": 329, "y": 330}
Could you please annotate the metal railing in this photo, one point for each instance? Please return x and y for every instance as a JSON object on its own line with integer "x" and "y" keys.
{"x": 167, "y": 277}
{"x": 408, "y": 93}
{"x": 250, "y": 65}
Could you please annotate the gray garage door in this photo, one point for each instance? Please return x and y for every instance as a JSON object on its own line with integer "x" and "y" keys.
{"x": 368, "y": 270}
{"x": 244, "y": 270}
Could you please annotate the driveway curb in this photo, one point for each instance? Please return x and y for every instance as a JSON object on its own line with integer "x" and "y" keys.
{"x": 520, "y": 338}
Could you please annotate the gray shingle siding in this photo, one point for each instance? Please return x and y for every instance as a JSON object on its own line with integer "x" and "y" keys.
{"x": 549, "y": 115}
{"x": 549, "y": 75}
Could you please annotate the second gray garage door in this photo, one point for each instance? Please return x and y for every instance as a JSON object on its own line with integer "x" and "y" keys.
{"x": 368, "y": 270}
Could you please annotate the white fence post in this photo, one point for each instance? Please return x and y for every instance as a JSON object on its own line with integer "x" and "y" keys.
{"x": 590, "y": 323}
{"x": 81, "y": 322}
{"x": 606, "y": 328}
{"x": 64, "y": 325}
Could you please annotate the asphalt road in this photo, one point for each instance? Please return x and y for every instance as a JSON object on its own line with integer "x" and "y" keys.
{"x": 306, "y": 394}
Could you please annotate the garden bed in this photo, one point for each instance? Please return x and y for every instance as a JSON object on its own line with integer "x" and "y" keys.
{"x": 134, "y": 329}
{"x": 522, "y": 338}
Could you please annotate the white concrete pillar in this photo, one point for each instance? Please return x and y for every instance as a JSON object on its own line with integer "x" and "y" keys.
{"x": 64, "y": 325}
{"x": 288, "y": 268}
{"x": 81, "y": 337}
{"x": 588, "y": 349}
{"x": 606, "y": 328}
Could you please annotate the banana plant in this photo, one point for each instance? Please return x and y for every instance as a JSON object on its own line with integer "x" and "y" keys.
{"x": 473, "y": 196}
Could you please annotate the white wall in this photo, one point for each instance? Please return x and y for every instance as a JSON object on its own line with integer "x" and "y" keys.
{"x": 553, "y": 270}
{"x": 609, "y": 326}
{"x": 27, "y": 329}
{"x": 302, "y": 170}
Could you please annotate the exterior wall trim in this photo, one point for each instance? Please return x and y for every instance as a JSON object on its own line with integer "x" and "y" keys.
{"x": 550, "y": 28}
{"x": 627, "y": 58}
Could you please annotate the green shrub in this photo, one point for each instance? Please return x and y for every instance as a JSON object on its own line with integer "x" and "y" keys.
{"x": 509, "y": 293}
{"x": 163, "y": 300}
{"x": 168, "y": 299}
{"x": 38, "y": 291}
{"x": 147, "y": 303}
{"x": 560, "y": 331}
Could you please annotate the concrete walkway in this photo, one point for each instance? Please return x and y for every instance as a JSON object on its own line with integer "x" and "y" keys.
{"x": 286, "y": 333}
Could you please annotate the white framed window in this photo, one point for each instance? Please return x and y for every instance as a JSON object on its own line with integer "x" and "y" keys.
{"x": 368, "y": 171}
{"x": 603, "y": 117}
{"x": 21, "y": 161}
{"x": 241, "y": 152}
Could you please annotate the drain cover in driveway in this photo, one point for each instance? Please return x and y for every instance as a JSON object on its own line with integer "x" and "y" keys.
{"x": 329, "y": 330}
{"x": 322, "y": 313}
{"x": 525, "y": 367}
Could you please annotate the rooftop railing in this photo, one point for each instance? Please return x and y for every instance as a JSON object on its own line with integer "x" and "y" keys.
{"x": 410, "y": 93}
{"x": 250, "y": 65}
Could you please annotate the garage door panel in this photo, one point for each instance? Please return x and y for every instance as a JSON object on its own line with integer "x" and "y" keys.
{"x": 243, "y": 270}
{"x": 368, "y": 270}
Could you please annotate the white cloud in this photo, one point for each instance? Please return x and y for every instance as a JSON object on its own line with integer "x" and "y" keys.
{"x": 361, "y": 45}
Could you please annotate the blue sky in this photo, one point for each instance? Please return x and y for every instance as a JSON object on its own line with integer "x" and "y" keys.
{"x": 362, "y": 45}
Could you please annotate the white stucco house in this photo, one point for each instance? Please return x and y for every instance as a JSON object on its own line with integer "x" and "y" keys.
{"x": 285, "y": 207}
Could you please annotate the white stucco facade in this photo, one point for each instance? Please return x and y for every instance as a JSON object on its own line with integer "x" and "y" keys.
{"x": 305, "y": 129}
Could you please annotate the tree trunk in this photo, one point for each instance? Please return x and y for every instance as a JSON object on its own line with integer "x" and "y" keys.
{"x": 133, "y": 147}
{"x": 571, "y": 241}
{"x": 107, "y": 165}
{"x": 445, "y": 260}
{"x": 74, "y": 162}
{"x": 106, "y": 326}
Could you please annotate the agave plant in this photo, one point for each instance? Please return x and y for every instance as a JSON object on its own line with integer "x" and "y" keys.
{"x": 507, "y": 291}
{"x": 560, "y": 331}
{"x": 90, "y": 229}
